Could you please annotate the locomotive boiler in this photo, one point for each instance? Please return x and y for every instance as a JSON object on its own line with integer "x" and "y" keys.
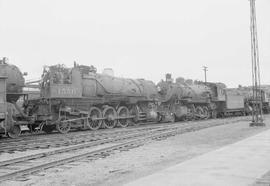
{"x": 79, "y": 97}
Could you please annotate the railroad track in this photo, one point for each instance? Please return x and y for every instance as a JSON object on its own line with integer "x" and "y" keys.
{"x": 45, "y": 142}
{"x": 58, "y": 141}
{"x": 76, "y": 134}
{"x": 26, "y": 165}
{"x": 33, "y": 136}
{"x": 67, "y": 140}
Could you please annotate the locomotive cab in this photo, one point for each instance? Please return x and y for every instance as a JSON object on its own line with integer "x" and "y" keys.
{"x": 60, "y": 82}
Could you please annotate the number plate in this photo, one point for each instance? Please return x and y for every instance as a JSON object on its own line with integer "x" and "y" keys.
{"x": 65, "y": 91}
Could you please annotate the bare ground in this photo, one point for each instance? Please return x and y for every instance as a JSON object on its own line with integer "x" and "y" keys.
{"x": 123, "y": 167}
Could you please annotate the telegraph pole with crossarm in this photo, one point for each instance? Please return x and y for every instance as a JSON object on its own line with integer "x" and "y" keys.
{"x": 205, "y": 69}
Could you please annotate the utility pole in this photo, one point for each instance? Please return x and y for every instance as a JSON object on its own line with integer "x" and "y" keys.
{"x": 257, "y": 119}
{"x": 205, "y": 69}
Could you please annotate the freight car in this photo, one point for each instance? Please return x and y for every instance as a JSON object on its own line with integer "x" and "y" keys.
{"x": 263, "y": 98}
{"x": 79, "y": 97}
{"x": 233, "y": 104}
{"x": 266, "y": 101}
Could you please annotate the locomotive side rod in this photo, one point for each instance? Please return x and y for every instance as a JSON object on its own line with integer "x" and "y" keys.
{"x": 96, "y": 119}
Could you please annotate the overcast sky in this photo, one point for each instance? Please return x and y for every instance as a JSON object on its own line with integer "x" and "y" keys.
{"x": 139, "y": 38}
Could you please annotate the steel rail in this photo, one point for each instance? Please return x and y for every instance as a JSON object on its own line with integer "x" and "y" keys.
{"x": 39, "y": 143}
{"x": 29, "y": 136}
{"x": 58, "y": 141}
{"x": 73, "y": 139}
{"x": 76, "y": 147}
{"x": 75, "y": 134}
